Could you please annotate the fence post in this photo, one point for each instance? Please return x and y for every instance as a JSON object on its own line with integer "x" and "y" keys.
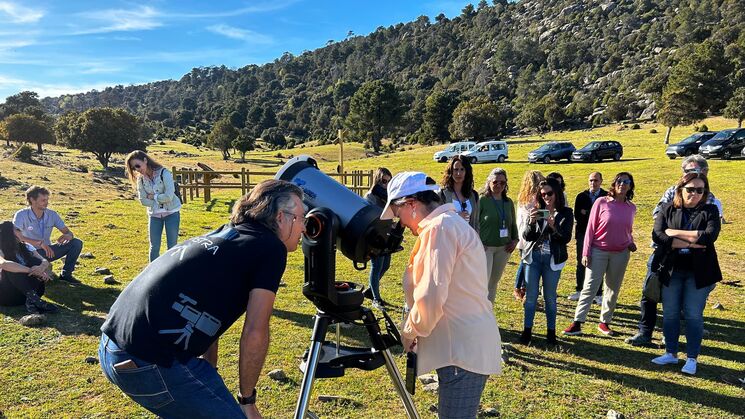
{"x": 243, "y": 181}
{"x": 207, "y": 191}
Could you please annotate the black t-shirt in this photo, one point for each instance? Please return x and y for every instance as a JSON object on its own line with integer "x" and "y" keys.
{"x": 187, "y": 298}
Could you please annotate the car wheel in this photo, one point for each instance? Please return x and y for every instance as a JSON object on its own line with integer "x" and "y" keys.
{"x": 500, "y": 159}
{"x": 547, "y": 159}
{"x": 443, "y": 160}
{"x": 594, "y": 158}
{"x": 689, "y": 152}
{"x": 727, "y": 154}
{"x": 474, "y": 160}
{"x": 617, "y": 156}
{"x": 671, "y": 157}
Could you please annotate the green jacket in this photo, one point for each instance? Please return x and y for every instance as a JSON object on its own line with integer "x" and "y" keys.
{"x": 490, "y": 221}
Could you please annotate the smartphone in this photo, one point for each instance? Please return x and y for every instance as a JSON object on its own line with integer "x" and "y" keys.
{"x": 543, "y": 213}
{"x": 411, "y": 372}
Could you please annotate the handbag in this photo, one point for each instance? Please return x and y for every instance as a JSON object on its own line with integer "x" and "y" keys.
{"x": 652, "y": 284}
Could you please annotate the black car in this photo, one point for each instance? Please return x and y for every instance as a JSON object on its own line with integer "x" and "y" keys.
{"x": 689, "y": 145}
{"x": 552, "y": 151}
{"x": 726, "y": 144}
{"x": 599, "y": 150}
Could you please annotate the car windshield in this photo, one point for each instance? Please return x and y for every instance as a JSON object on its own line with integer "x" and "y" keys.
{"x": 546, "y": 147}
{"x": 721, "y": 137}
{"x": 591, "y": 146}
{"x": 691, "y": 139}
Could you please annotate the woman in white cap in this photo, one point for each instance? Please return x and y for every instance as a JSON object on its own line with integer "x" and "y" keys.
{"x": 451, "y": 325}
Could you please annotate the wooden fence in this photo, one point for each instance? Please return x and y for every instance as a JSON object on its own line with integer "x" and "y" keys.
{"x": 192, "y": 182}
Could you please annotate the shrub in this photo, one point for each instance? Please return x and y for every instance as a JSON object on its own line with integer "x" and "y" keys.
{"x": 653, "y": 131}
{"x": 636, "y": 126}
{"x": 24, "y": 153}
{"x": 703, "y": 128}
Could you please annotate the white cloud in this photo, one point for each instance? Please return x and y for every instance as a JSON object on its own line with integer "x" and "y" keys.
{"x": 10, "y": 86}
{"x": 240, "y": 34}
{"x": 20, "y": 14}
{"x": 256, "y": 8}
{"x": 121, "y": 20}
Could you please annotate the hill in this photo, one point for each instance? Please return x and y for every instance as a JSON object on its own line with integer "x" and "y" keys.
{"x": 573, "y": 57}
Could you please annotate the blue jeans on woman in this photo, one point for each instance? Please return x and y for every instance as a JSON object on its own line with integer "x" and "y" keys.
{"x": 460, "y": 392}
{"x": 679, "y": 295}
{"x": 540, "y": 267}
{"x": 155, "y": 228}
{"x": 192, "y": 389}
{"x": 378, "y": 267}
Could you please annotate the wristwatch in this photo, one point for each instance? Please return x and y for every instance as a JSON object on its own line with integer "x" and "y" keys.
{"x": 246, "y": 400}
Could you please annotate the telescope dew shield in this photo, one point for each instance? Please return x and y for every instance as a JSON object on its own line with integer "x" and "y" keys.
{"x": 361, "y": 234}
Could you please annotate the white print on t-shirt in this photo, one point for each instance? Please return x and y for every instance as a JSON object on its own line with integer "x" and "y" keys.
{"x": 181, "y": 249}
{"x": 195, "y": 319}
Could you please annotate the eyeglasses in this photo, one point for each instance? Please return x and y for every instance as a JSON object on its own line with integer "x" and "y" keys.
{"x": 547, "y": 194}
{"x": 499, "y": 183}
{"x": 692, "y": 170}
{"x": 692, "y": 190}
{"x": 294, "y": 217}
{"x": 624, "y": 182}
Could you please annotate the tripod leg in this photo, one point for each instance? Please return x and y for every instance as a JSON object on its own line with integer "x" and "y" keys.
{"x": 398, "y": 383}
{"x": 314, "y": 352}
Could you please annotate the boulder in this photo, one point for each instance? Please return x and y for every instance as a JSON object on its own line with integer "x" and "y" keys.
{"x": 87, "y": 255}
{"x": 432, "y": 387}
{"x": 91, "y": 360}
{"x": 109, "y": 280}
{"x": 427, "y": 379}
{"x": 102, "y": 271}
{"x": 277, "y": 375}
{"x": 32, "y": 320}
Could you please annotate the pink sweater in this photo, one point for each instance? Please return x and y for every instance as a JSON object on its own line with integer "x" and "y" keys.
{"x": 610, "y": 226}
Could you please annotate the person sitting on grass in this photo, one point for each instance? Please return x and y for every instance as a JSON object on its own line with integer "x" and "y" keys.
{"x": 23, "y": 273}
{"x": 36, "y": 223}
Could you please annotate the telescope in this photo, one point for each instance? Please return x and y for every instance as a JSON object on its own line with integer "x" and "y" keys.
{"x": 340, "y": 219}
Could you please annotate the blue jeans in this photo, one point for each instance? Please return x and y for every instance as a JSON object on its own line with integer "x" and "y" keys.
{"x": 378, "y": 267}
{"x": 679, "y": 295}
{"x": 540, "y": 267}
{"x": 189, "y": 390}
{"x": 520, "y": 275}
{"x": 459, "y": 394}
{"x": 155, "y": 228}
{"x": 70, "y": 249}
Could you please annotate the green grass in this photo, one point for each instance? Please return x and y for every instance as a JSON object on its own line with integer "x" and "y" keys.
{"x": 43, "y": 373}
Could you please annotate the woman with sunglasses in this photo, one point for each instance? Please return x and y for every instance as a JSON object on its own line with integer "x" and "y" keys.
{"x": 457, "y": 187}
{"x": 451, "y": 323}
{"x": 23, "y": 272}
{"x": 548, "y": 231}
{"x": 606, "y": 252}
{"x": 157, "y": 192}
{"x": 526, "y": 201}
{"x": 497, "y": 226}
{"x": 378, "y": 195}
{"x": 685, "y": 231}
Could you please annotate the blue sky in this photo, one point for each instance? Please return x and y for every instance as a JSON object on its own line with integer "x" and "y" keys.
{"x": 66, "y": 46}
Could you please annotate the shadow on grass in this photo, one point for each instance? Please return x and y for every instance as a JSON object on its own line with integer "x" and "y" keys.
{"x": 74, "y": 299}
{"x": 639, "y": 361}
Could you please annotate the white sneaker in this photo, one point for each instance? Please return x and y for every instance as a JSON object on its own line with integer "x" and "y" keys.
{"x": 574, "y": 297}
{"x": 668, "y": 358}
{"x": 690, "y": 367}
{"x": 598, "y": 300}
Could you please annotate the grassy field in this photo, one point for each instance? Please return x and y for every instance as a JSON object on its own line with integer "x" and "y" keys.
{"x": 43, "y": 372}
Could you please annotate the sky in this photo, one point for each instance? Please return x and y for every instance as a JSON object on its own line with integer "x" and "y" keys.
{"x": 55, "y": 47}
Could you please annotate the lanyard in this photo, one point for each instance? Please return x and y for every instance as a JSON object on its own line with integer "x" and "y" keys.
{"x": 501, "y": 210}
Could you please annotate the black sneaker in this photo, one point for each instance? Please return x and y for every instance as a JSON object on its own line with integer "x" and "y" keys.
{"x": 639, "y": 339}
{"x": 35, "y": 305}
{"x": 69, "y": 279}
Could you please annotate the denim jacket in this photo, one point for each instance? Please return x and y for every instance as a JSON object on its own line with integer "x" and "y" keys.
{"x": 163, "y": 190}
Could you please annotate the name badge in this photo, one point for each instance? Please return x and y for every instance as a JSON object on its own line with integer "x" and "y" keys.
{"x": 503, "y": 232}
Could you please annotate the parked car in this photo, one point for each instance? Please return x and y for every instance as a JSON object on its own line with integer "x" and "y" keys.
{"x": 726, "y": 144}
{"x": 552, "y": 151}
{"x": 599, "y": 150}
{"x": 453, "y": 149}
{"x": 487, "y": 151}
{"x": 689, "y": 145}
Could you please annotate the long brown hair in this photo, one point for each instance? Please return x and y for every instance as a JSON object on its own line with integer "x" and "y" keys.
{"x": 139, "y": 155}
{"x": 678, "y": 199}
{"x": 447, "y": 181}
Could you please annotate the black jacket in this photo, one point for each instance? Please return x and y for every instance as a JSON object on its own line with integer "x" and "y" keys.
{"x": 583, "y": 203}
{"x": 560, "y": 236}
{"x": 704, "y": 218}
{"x": 377, "y": 195}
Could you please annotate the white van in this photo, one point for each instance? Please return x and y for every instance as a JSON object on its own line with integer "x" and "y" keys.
{"x": 453, "y": 149}
{"x": 488, "y": 151}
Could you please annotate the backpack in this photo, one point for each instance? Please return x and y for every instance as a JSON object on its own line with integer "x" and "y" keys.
{"x": 175, "y": 186}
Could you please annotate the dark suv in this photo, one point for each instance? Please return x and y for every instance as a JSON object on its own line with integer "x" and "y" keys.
{"x": 726, "y": 144}
{"x": 552, "y": 151}
{"x": 599, "y": 150}
{"x": 689, "y": 145}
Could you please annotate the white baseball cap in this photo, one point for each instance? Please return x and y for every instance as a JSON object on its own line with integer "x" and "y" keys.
{"x": 405, "y": 184}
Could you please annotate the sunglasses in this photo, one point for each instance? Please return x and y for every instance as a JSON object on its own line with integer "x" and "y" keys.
{"x": 692, "y": 190}
{"x": 624, "y": 182}
{"x": 547, "y": 194}
{"x": 693, "y": 170}
{"x": 499, "y": 183}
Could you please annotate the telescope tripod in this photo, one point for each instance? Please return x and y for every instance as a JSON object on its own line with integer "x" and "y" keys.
{"x": 325, "y": 359}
